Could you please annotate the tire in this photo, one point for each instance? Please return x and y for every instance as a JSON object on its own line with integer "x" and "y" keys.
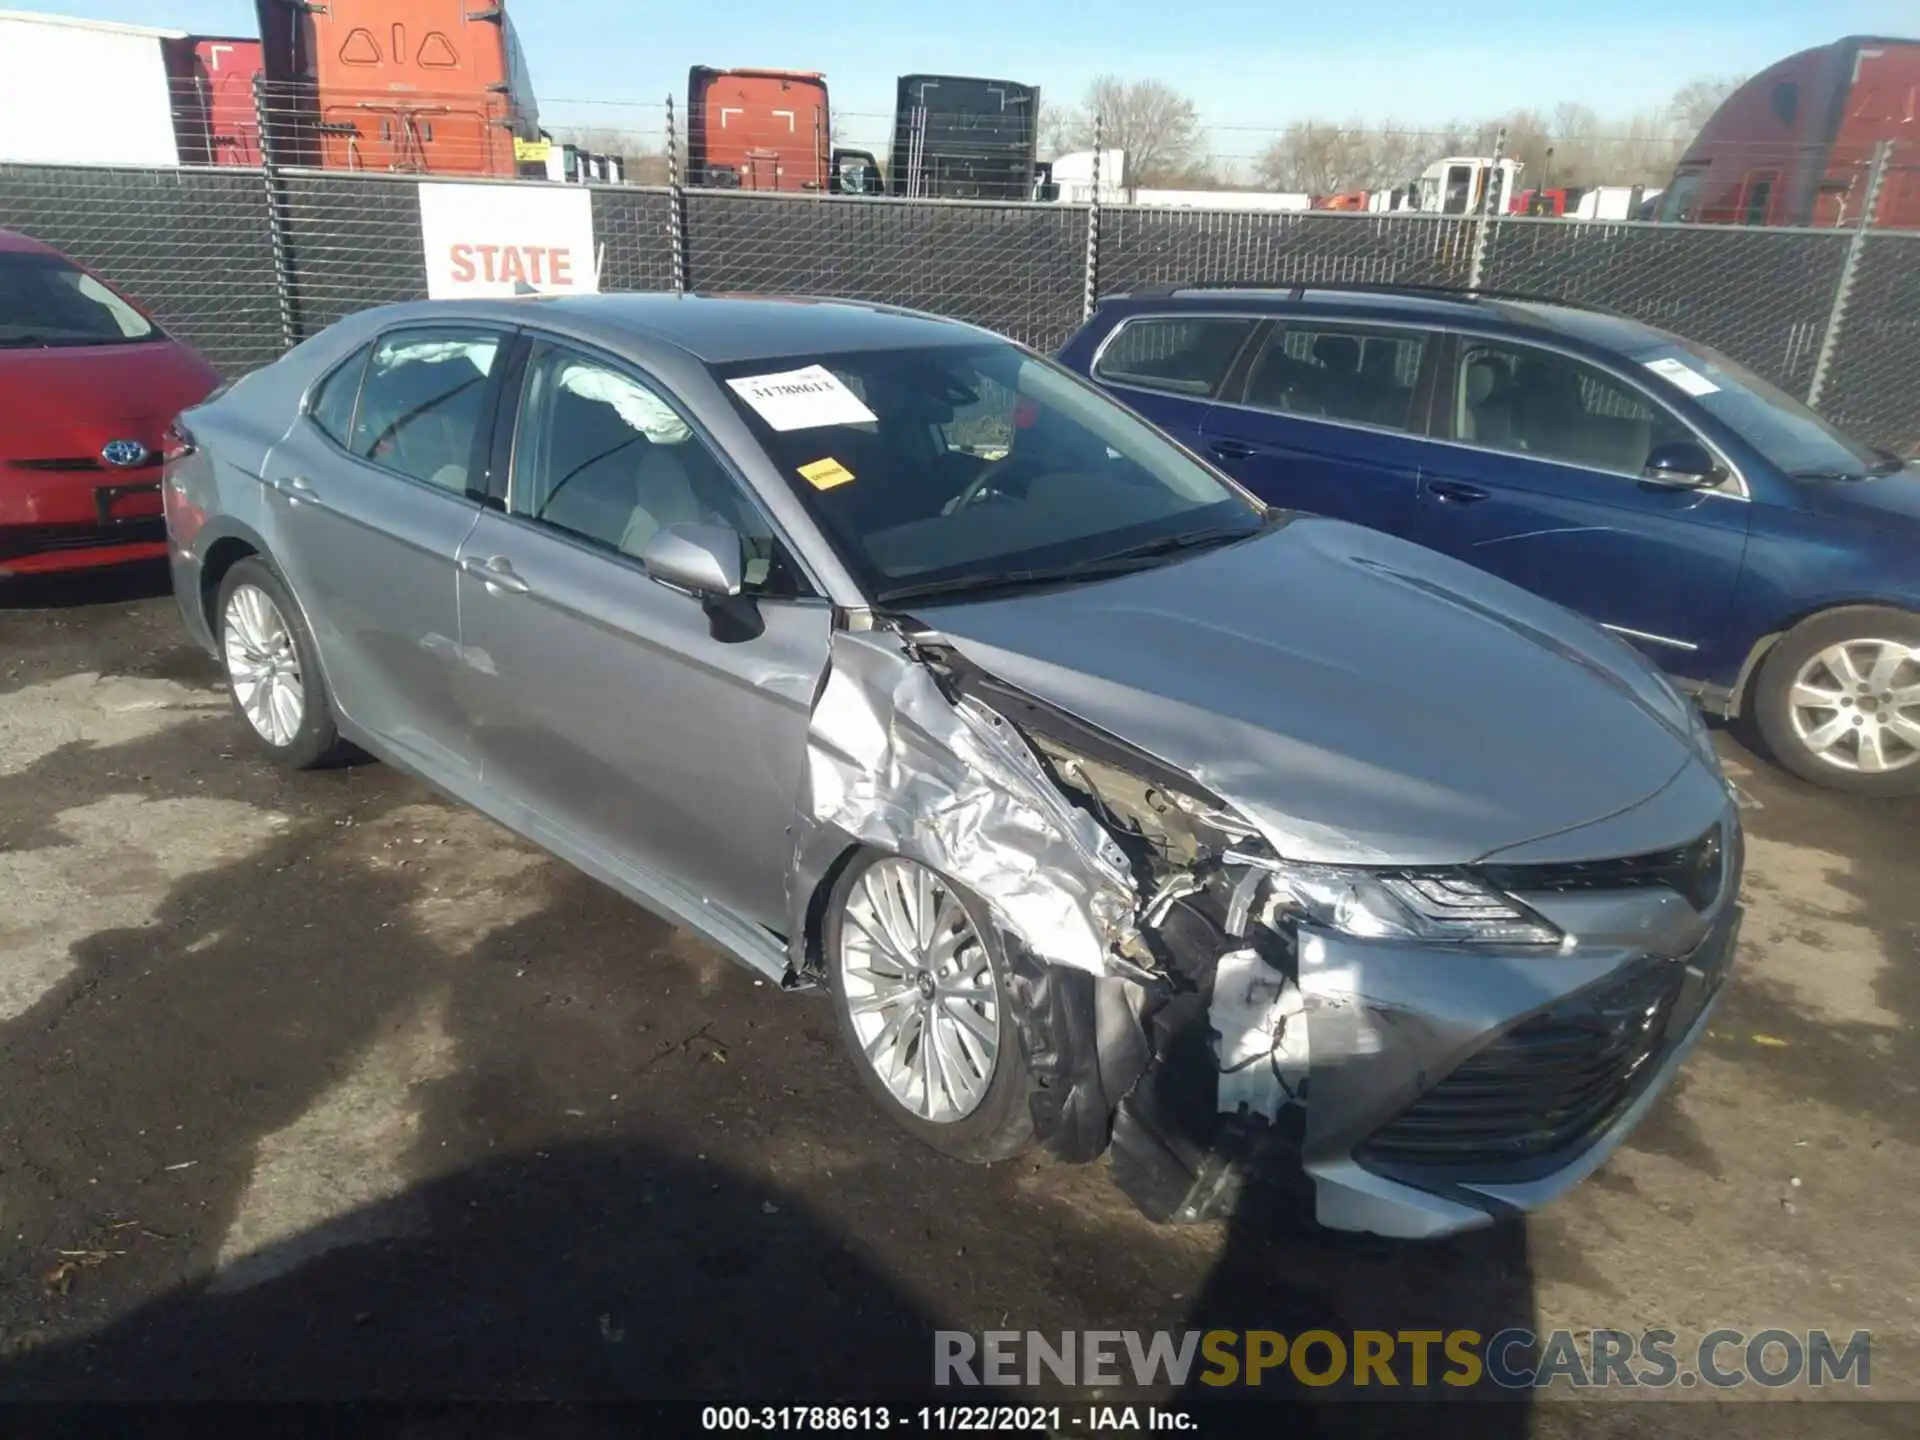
{"x": 258, "y": 625}
{"x": 1855, "y": 656}
{"x": 998, "y": 1123}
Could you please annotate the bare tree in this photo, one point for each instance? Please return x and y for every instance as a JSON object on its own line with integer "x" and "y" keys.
{"x": 1153, "y": 123}
{"x": 1056, "y": 130}
{"x": 1324, "y": 159}
{"x": 1696, "y": 101}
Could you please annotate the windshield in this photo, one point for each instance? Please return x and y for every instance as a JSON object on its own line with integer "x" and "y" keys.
{"x": 1785, "y": 432}
{"x": 47, "y": 301}
{"x": 1677, "y": 204}
{"x": 972, "y": 468}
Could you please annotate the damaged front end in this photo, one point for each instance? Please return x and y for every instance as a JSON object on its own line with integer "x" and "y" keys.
{"x": 1158, "y": 1015}
{"x": 1410, "y": 1052}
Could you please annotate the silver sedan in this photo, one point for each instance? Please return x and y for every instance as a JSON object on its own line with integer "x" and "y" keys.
{"x": 1112, "y": 809}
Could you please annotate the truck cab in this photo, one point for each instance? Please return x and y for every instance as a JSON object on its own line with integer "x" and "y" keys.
{"x": 1459, "y": 185}
{"x": 756, "y": 129}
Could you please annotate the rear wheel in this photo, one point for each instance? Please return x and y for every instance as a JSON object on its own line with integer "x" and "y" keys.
{"x": 1838, "y": 701}
{"x": 273, "y": 672}
{"x": 920, "y": 994}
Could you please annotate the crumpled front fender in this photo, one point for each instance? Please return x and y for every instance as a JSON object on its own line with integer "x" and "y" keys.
{"x": 894, "y": 763}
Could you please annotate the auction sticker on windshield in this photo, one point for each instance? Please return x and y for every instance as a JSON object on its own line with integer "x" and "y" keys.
{"x": 1691, "y": 381}
{"x": 825, "y": 474}
{"x": 802, "y": 399}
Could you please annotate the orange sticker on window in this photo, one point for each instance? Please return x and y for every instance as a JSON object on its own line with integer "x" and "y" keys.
{"x": 825, "y": 474}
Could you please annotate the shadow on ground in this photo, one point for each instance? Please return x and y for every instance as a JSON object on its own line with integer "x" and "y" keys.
{"x": 117, "y": 585}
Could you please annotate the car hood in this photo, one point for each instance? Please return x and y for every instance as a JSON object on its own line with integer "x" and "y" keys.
{"x": 1888, "y": 501}
{"x": 1358, "y": 698}
{"x": 64, "y": 403}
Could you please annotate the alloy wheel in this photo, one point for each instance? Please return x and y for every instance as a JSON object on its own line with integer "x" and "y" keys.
{"x": 263, "y": 666}
{"x": 1856, "y": 706}
{"x": 919, "y": 989}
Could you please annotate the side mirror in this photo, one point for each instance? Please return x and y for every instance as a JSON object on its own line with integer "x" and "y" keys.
{"x": 1682, "y": 465}
{"x": 703, "y": 560}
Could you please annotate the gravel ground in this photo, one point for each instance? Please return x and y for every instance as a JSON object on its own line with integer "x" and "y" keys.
{"x": 318, "y": 1086}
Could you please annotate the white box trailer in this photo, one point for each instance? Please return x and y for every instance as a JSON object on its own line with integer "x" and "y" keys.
{"x": 84, "y": 92}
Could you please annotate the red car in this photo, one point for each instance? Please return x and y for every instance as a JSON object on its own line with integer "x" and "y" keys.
{"x": 90, "y": 385}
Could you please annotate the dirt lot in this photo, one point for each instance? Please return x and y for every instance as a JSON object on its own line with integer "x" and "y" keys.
{"x": 317, "y": 1086}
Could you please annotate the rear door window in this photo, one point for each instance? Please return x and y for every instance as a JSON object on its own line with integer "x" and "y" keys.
{"x": 422, "y": 401}
{"x": 1352, "y": 374}
{"x": 331, "y": 407}
{"x": 1181, "y": 355}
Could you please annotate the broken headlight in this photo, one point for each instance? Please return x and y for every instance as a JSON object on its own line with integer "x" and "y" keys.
{"x": 1435, "y": 907}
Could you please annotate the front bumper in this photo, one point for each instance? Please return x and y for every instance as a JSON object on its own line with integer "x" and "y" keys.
{"x": 1421, "y": 1090}
{"x": 1361, "y": 1104}
{"x": 54, "y": 520}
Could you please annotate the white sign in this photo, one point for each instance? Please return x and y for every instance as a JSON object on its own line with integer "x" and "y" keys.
{"x": 802, "y": 399}
{"x": 506, "y": 240}
{"x": 1691, "y": 381}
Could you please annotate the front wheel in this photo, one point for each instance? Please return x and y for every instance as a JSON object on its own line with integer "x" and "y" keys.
{"x": 1838, "y": 701}
{"x": 920, "y": 993}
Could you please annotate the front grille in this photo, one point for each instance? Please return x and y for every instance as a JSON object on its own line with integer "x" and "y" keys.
{"x": 1697, "y": 871}
{"x": 1540, "y": 1091}
{"x": 69, "y": 464}
{"x": 21, "y": 540}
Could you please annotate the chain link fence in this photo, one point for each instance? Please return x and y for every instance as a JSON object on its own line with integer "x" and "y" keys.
{"x": 191, "y": 245}
{"x": 235, "y": 261}
{"x": 1873, "y": 386}
{"x": 1147, "y": 246}
{"x": 1014, "y": 268}
{"x": 1762, "y": 296}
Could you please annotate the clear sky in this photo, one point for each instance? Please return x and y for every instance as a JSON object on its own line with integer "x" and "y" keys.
{"x": 1252, "y": 65}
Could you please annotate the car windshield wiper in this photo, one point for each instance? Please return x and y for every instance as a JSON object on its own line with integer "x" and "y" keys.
{"x": 23, "y": 342}
{"x": 1828, "y": 472}
{"x": 1885, "y": 462}
{"x": 1114, "y": 562}
{"x": 1888, "y": 463}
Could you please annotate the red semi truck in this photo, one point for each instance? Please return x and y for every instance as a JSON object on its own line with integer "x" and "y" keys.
{"x": 211, "y": 80}
{"x": 758, "y": 129}
{"x": 413, "y": 86}
{"x": 1794, "y": 145}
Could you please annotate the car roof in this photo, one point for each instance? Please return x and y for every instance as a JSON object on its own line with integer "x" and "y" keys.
{"x": 14, "y": 241}
{"x": 1592, "y": 324}
{"x": 719, "y": 329}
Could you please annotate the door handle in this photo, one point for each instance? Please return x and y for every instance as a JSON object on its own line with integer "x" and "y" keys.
{"x": 1455, "y": 493}
{"x": 296, "y": 488}
{"x": 496, "y": 573}
{"x": 1231, "y": 449}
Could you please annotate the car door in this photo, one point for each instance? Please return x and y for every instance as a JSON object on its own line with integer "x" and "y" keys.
{"x": 1539, "y": 479}
{"x": 647, "y": 729}
{"x": 373, "y": 490}
{"x": 1328, "y": 418}
{"x": 1169, "y": 367}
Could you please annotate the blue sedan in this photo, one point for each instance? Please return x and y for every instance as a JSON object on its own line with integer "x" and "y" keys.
{"x": 1767, "y": 561}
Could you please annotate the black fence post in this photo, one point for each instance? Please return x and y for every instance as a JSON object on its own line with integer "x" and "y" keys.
{"x": 1091, "y": 295}
{"x": 1842, "y": 291}
{"x": 676, "y": 207}
{"x": 1483, "y": 224}
{"x": 276, "y": 216}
